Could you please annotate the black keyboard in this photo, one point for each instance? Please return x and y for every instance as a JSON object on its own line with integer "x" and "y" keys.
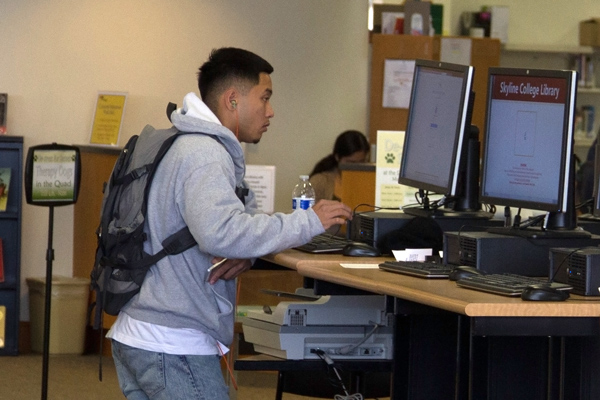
{"x": 505, "y": 284}
{"x": 422, "y": 269}
{"x": 324, "y": 243}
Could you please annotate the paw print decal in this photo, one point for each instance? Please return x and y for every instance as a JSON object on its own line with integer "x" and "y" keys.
{"x": 390, "y": 158}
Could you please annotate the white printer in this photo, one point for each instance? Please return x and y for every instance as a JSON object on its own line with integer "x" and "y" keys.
{"x": 344, "y": 327}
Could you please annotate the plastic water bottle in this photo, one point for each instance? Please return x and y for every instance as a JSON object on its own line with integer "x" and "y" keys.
{"x": 303, "y": 195}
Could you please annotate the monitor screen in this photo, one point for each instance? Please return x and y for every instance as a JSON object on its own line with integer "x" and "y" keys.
{"x": 439, "y": 112}
{"x": 528, "y": 143}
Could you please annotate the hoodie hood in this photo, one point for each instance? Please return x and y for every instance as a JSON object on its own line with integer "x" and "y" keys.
{"x": 195, "y": 116}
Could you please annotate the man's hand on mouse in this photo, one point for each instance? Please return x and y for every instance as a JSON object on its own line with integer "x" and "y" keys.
{"x": 332, "y": 212}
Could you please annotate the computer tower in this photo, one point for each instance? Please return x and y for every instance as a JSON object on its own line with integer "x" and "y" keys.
{"x": 370, "y": 227}
{"x": 578, "y": 267}
{"x": 496, "y": 253}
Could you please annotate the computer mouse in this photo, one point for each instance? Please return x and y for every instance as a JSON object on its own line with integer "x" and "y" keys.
{"x": 543, "y": 292}
{"x": 359, "y": 249}
{"x": 462, "y": 271}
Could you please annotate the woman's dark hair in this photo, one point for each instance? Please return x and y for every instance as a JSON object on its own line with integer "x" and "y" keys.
{"x": 347, "y": 143}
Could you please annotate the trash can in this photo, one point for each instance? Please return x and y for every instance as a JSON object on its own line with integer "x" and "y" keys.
{"x": 67, "y": 316}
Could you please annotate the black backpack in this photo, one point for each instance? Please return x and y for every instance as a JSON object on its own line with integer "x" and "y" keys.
{"x": 121, "y": 263}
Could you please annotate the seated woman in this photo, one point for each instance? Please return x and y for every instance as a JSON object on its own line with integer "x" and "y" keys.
{"x": 350, "y": 147}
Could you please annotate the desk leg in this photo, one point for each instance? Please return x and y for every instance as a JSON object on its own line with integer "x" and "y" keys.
{"x": 399, "y": 383}
{"x": 279, "y": 390}
{"x": 463, "y": 343}
{"x": 556, "y": 368}
{"x": 478, "y": 361}
{"x": 582, "y": 368}
{"x": 424, "y": 357}
{"x": 515, "y": 368}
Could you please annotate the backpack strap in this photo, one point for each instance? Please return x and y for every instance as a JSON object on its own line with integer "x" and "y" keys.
{"x": 241, "y": 193}
{"x": 176, "y": 243}
{"x": 133, "y": 175}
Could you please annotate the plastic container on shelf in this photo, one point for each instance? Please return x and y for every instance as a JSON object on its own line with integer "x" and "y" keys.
{"x": 68, "y": 312}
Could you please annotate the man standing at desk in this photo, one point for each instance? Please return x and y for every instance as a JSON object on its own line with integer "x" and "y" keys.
{"x": 167, "y": 340}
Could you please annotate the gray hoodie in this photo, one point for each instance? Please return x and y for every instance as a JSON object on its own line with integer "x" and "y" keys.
{"x": 195, "y": 186}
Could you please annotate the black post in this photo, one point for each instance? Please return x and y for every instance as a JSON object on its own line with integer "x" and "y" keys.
{"x": 49, "y": 259}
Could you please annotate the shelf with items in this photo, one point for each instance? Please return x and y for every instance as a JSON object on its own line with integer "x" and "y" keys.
{"x": 550, "y": 48}
{"x": 11, "y": 159}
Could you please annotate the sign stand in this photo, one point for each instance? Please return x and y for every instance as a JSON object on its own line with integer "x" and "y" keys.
{"x": 52, "y": 176}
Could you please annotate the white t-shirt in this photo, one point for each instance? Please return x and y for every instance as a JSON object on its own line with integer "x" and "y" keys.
{"x": 163, "y": 339}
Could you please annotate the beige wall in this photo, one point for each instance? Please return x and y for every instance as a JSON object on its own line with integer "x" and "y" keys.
{"x": 57, "y": 54}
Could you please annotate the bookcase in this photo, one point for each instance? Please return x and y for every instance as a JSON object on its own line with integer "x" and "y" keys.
{"x": 11, "y": 157}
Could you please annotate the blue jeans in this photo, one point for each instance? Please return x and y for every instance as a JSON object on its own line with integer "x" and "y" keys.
{"x": 145, "y": 375}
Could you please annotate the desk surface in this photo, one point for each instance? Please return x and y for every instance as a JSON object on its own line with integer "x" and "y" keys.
{"x": 439, "y": 293}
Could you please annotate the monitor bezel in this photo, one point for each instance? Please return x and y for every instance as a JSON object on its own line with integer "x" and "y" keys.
{"x": 452, "y": 187}
{"x": 567, "y": 140}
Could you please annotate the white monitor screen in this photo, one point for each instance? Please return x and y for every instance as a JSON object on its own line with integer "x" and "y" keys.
{"x": 528, "y": 139}
{"x": 438, "y": 114}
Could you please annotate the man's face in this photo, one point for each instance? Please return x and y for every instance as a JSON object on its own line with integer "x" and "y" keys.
{"x": 255, "y": 111}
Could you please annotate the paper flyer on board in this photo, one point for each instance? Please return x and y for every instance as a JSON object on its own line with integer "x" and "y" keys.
{"x": 397, "y": 83}
{"x": 456, "y": 50}
{"x": 388, "y": 192}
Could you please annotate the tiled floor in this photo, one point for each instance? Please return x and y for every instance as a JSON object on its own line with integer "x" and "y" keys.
{"x": 76, "y": 377}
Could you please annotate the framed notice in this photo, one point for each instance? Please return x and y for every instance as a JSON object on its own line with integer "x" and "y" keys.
{"x": 261, "y": 179}
{"x": 108, "y": 118}
{"x": 52, "y": 175}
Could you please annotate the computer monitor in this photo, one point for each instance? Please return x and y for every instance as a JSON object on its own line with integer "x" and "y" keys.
{"x": 441, "y": 148}
{"x": 528, "y": 159}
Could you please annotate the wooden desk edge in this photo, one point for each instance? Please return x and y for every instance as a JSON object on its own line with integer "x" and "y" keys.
{"x": 441, "y": 294}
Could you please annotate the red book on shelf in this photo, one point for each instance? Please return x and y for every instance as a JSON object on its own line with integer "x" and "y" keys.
{"x": 1, "y": 263}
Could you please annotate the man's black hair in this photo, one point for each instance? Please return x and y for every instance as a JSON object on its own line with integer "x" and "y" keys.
{"x": 225, "y": 66}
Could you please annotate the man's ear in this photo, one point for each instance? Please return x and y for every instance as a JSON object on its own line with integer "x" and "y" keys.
{"x": 230, "y": 98}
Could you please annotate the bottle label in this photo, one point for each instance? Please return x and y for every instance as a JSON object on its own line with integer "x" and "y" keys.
{"x": 303, "y": 203}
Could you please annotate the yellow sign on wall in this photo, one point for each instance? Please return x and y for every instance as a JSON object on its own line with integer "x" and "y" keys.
{"x": 108, "y": 118}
